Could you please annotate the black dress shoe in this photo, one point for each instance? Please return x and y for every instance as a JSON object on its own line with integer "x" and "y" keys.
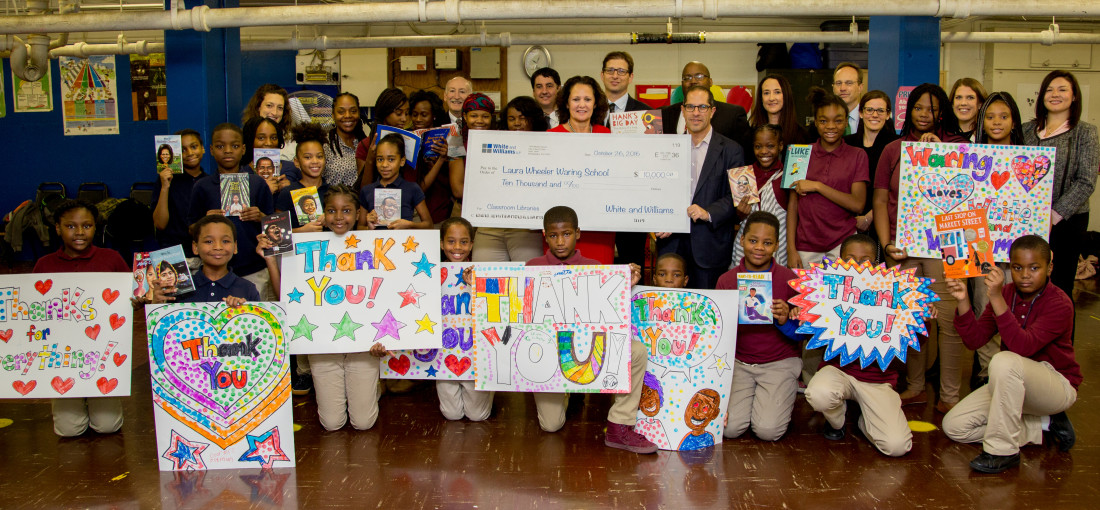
{"x": 988, "y": 463}
{"x": 832, "y": 434}
{"x": 1061, "y": 431}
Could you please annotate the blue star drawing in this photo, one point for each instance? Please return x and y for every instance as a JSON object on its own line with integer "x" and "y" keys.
{"x": 460, "y": 279}
{"x": 184, "y": 454}
{"x": 423, "y": 266}
{"x": 431, "y": 371}
{"x": 295, "y": 296}
{"x": 264, "y": 449}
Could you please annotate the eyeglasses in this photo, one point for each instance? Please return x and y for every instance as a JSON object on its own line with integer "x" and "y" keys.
{"x": 697, "y": 107}
{"x": 875, "y": 111}
{"x": 697, "y": 76}
{"x": 848, "y": 83}
{"x": 616, "y": 71}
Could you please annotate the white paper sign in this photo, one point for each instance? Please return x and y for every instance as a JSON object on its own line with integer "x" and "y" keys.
{"x": 615, "y": 182}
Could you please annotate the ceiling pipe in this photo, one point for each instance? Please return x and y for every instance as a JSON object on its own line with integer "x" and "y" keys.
{"x": 30, "y": 61}
{"x": 83, "y": 49}
{"x": 1046, "y": 37}
{"x": 204, "y": 18}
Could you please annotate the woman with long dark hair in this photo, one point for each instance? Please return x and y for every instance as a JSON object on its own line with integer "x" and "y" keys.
{"x": 343, "y": 139}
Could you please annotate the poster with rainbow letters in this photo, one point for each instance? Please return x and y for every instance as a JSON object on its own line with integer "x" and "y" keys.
{"x": 557, "y": 329}
{"x": 221, "y": 386}
{"x": 1013, "y": 183}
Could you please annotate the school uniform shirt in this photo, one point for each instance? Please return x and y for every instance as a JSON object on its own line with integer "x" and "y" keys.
{"x": 765, "y": 343}
{"x": 95, "y": 260}
{"x": 290, "y": 170}
{"x": 207, "y": 195}
{"x": 411, "y": 195}
{"x": 888, "y": 174}
{"x": 822, "y": 224}
{"x": 210, "y": 291}
{"x": 179, "y": 204}
{"x": 284, "y": 202}
{"x": 576, "y": 259}
{"x": 438, "y": 195}
{"x": 872, "y": 374}
{"x": 1039, "y": 329}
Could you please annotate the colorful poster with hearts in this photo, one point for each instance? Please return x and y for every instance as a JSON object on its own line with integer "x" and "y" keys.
{"x": 688, "y": 380}
{"x": 453, "y": 362}
{"x": 862, "y": 312}
{"x": 346, "y": 293}
{"x": 65, "y": 335}
{"x": 221, "y": 386}
{"x": 1013, "y": 183}
{"x": 552, "y": 329}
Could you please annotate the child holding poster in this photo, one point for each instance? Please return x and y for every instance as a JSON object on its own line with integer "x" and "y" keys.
{"x": 1033, "y": 380}
{"x": 389, "y": 159}
{"x": 881, "y": 420}
{"x": 75, "y": 222}
{"x": 765, "y": 380}
{"x": 561, "y": 229}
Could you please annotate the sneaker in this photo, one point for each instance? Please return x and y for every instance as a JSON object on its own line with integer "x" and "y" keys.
{"x": 988, "y": 463}
{"x": 300, "y": 384}
{"x": 1061, "y": 431}
{"x": 622, "y": 436}
{"x": 832, "y": 434}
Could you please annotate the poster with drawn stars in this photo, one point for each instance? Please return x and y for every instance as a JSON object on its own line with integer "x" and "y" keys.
{"x": 221, "y": 386}
{"x": 690, "y": 337}
{"x": 344, "y": 293}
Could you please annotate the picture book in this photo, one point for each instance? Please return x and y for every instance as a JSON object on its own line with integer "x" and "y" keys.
{"x": 431, "y": 136}
{"x": 234, "y": 189}
{"x": 307, "y": 204}
{"x": 965, "y": 243}
{"x": 743, "y": 184}
{"x": 266, "y": 162}
{"x": 412, "y": 142}
{"x": 143, "y": 273}
{"x": 169, "y": 266}
{"x": 455, "y": 148}
{"x": 637, "y": 122}
{"x": 755, "y": 298}
{"x": 387, "y": 203}
{"x": 169, "y": 153}
{"x": 277, "y": 228}
{"x": 795, "y": 164}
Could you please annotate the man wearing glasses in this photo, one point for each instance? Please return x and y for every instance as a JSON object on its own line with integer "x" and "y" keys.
{"x": 848, "y": 86}
{"x": 617, "y": 75}
{"x": 729, "y": 119}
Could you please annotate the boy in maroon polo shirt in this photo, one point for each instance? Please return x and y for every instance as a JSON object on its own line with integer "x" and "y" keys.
{"x": 75, "y": 224}
{"x": 561, "y": 229}
{"x": 765, "y": 382}
{"x": 1034, "y": 379}
{"x": 881, "y": 419}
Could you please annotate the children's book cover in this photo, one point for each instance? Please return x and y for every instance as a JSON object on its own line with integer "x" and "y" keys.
{"x": 307, "y": 204}
{"x": 234, "y": 188}
{"x": 433, "y": 136}
{"x": 755, "y": 290}
{"x": 169, "y": 153}
{"x": 965, "y": 243}
{"x": 170, "y": 268}
{"x": 266, "y": 162}
{"x": 743, "y": 184}
{"x": 637, "y": 122}
{"x": 412, "y": 142}
{"x": 795, "y": 164}
{"x": 387, "y": 203}
{"x": 143, "y": 274}
{"x": 277, "y": 228}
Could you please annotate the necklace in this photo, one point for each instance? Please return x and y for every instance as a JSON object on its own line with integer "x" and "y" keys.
{"x": 574, "y": 129}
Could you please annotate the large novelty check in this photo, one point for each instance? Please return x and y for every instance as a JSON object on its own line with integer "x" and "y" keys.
{"x": 615, "y": 182}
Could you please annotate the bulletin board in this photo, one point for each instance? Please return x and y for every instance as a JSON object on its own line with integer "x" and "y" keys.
{"x": 436, "y": 80}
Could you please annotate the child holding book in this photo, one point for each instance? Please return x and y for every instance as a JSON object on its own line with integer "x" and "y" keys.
{"x": 765, "y": 380}
{"x": 172, "y": 199}
{"x": 389, "y": 160}
{"x": 767, "y": 148}
{"x": 214, "y": 239}
{"x": 264, "y": 133}
{"x": 1033, "y": 380}
{"x": 309, "y": 155}
{"x": 561, "y": 229}
{"x": 75, "y": 222}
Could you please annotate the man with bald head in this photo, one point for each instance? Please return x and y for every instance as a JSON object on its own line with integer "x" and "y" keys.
{"x": 454, "y": 94}
{"x": 729, "y": 119}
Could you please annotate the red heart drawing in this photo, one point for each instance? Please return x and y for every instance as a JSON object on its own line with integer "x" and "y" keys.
{"x": 43, "y": 286}
{"x": 117, "y": 321}
{"x": 110, "y": 295}
{"x": 5, "y": 335}
{"x": 442, "y": 275}
{"x": 106, "y": 385}
{"x": 999, "y": 179}
{"x": 92, "y": 331}
{"x": 400, "y": 365}
{"x": 24, "y": 388}
{"x": 62, "y": 385}
{"x": 119, "y": 359}
{"x": 455, "y": 365}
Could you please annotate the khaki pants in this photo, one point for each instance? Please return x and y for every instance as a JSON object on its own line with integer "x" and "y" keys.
{"x": 812, "y": 358}
{"x": 506, "y": 245}
{"x": 882, "y": 420}
{"x": 624, "y": 411}
{"x": 763, "y": 395}
{"x": 953, "y": 354}
{"x": 458, "y": 399}
{"x": 346, "y": 385}
{"x": 1005, "y": 414}
{"x": 262, "y": 280}
{"x": 72, "y": 416}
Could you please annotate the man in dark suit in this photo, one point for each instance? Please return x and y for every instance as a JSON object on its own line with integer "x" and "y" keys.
{"x": 708, "y": 249}
{"x": 729, "y": 119}
{"x": 617, "y": 75}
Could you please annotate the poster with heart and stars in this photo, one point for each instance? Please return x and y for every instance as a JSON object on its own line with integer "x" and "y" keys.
{"x": 344, "y": 293}
{"x": 65, "y": 335}
{"x": 221, "y": 386}
{"x": 1013, "y": 183}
